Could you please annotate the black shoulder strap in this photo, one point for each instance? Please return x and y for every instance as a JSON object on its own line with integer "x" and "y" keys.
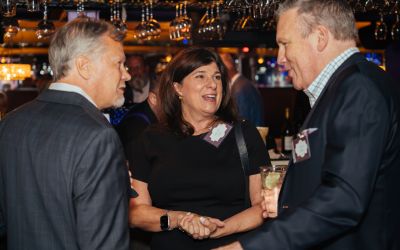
{"x": 244, "y": 158}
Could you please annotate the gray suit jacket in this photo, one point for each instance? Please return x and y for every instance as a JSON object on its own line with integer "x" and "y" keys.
{"x": 345, "y": 197}
{"x": 64, "y": 183}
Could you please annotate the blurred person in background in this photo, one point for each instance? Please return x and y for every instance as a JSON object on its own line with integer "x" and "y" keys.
{"x": 136, "y": 89}
{"x": 64, "y": 182}
{"x": 187, "y": 169}
{"x": 341, "y": 186}
{"x": 245, "y": 93}
{"x": 3, "y": 104}
{"x": 138, "y": 118}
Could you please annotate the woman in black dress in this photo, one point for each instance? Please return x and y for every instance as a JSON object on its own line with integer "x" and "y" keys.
{"x": 188, "y": 171}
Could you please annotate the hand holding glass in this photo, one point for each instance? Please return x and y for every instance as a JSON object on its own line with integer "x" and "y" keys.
{"x": 271, "y": 182}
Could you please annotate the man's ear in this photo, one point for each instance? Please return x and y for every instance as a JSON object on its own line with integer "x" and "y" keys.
{"x": 323, "y": 37}
{"x": 83, "y": 66}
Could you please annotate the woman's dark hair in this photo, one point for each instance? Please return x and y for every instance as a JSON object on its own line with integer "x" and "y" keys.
{"x": 185, "y": 62}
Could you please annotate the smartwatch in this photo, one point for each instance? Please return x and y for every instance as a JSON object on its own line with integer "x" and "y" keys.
{"x": 164, "y": 222}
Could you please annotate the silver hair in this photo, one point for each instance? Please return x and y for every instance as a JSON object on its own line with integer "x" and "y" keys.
{"x": 336, "y": 15}
{"x": 78, "y": 37}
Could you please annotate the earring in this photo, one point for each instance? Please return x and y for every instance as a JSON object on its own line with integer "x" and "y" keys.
{"x": 180, "y": 97}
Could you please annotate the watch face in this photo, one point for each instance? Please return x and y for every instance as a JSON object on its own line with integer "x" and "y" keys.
{"x": 164, "y": 222}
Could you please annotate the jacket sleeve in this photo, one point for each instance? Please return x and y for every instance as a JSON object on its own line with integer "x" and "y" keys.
{"x": 356, "y": 134}
{"x": 101, "y": 194}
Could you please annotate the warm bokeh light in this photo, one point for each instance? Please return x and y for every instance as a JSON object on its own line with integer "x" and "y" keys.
{"x": 15, "y": 71}
{"x": 168, "y": 58}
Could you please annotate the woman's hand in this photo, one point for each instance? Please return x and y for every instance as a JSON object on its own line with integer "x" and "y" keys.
{"x": 198, "y": 227}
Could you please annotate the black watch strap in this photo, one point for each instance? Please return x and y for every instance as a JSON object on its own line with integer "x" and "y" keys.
{"x": 164, "y": 222}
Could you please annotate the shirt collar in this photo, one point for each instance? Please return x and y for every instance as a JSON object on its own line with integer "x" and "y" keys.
{"x": 60, "y": 86}
{"x": 233, "y": 79}
{"x": 315, "y": 89}
{"x": 71, "y": 88}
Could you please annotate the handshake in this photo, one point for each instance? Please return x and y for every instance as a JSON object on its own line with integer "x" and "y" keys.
{"x": 200, "y": 227}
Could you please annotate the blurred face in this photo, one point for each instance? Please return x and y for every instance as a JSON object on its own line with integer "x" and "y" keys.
{"x": 109, "y": 75}
{"x": 201, "y": 92}
{"x": 296, "y": 54}
{"x": 138, "y": 72}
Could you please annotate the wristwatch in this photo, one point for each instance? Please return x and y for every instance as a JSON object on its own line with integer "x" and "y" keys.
{"x": 164, "y": 222}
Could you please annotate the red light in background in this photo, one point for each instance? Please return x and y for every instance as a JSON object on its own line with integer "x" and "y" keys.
{"x": 245, "y": 49}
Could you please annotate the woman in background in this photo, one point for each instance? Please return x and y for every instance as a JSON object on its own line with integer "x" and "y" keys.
{"x": 188, "y": 171}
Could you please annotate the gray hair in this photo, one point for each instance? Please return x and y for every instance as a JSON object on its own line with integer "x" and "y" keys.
{"x": 78, "y": 37}
{"x": 336, "y": 15}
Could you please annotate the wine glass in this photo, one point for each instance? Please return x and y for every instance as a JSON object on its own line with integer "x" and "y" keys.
{"x": 9, "y": 8}
{"x": 45, "y": 28}
{"x": 186, "y": 24}
{"x": 32, "y": 5}
{"x": 218, "y": 27}
{"x": 153, "y": 27}
{"x": 115, "y": 18}
{"x": 202, "y": 29}
{"x": 395, "y": 31}
{"x": 174, "y": 32}
{"x": 369, "y": 5}
{"x": 140, "y": 31}
{"x": 381, "y": 29}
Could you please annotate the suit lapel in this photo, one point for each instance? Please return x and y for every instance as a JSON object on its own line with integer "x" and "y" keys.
{"x": 343, "y": 71}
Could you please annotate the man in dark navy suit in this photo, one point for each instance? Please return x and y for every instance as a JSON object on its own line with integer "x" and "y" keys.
{"x": 340, "y": 191}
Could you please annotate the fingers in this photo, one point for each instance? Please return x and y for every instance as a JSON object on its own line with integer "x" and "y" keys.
{"x": 270, "y": 202}
{"x": 198, "y": 227}
{"x": 215, "y": 223}
{"x": 184, "y": 221}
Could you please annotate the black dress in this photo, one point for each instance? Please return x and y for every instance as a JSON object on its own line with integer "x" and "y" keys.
{"x": 190, "y": 174}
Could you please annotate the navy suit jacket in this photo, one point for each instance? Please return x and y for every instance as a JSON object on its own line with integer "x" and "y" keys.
{"x": 64, "y": 183}
{"x": 248, "y": 100}
{"x": 345, "y": 195}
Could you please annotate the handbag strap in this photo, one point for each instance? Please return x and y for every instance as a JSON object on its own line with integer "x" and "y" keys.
{"x": 244, "y": 159}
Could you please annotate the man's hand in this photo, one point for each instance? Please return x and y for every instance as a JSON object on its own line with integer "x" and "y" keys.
{"x": 198, "y": 227}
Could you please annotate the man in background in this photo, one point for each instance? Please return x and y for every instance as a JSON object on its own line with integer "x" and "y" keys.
{"x": 247, "y": 97}
{"x": 138, "y": 118}
{"x": 136, "y": 89}
{"x": 340, "y": 190}
{"x": 64, "y": 183}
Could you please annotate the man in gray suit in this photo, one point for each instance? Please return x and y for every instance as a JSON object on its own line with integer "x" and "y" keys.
{"x": 64, "y": 183}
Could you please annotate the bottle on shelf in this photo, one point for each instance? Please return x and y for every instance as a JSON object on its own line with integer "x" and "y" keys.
{"x": 287, "y": 134}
